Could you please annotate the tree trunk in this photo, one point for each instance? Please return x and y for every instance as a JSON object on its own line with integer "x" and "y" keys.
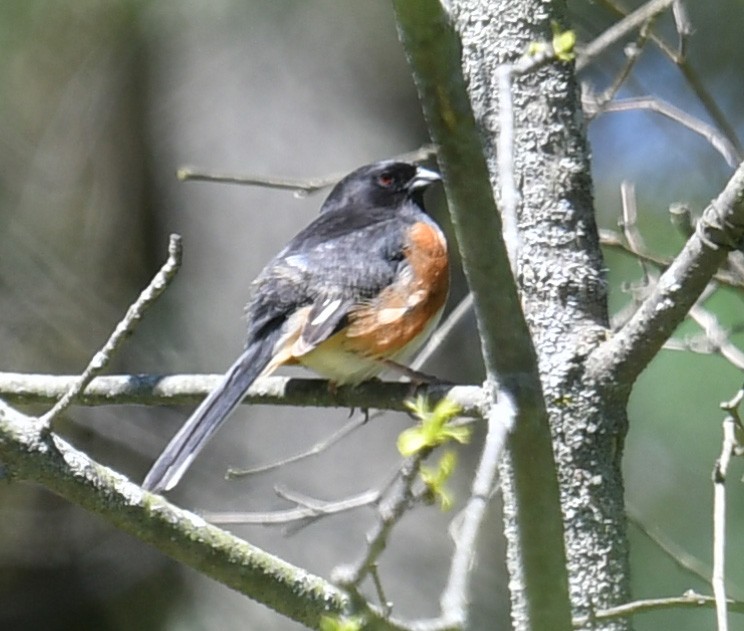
{"x": 563, "y": 291}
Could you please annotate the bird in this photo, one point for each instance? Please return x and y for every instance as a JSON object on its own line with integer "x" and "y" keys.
{"x": 355, "y": 292}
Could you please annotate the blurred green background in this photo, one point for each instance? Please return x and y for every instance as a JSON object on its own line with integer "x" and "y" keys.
{"x": 101, "y": 102}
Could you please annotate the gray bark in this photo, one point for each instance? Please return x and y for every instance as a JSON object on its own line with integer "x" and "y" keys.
{"x": 563, "y": 292}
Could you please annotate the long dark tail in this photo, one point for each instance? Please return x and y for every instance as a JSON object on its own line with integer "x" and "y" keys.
{"x": 209, "y": 416}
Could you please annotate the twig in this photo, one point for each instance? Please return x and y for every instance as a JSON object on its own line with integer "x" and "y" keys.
{"x": 454, "y": 600}
{"x": 690, "y": 75}
{"x": 681, "y": 557}
{"x": 717, "y": 336}
{"x": 300, "y": 186}
{"x": 733, "y": 405}
{"x": 699, "y": 344}
{"x": 385, "y": 604}
{"x": 710, "y": 105}
{"x": 301, "y": 499}
{"x": 301, "y": 512}
{"x": 717, "y": 140}
{"x": 124, "y": 329}
{"x": 735, "y": 265}
{"x": 708, "y": 345}
{"x": 718, "y": 578}
{"x": 318, "y": 448}
{"x": 390, "y": 512}
{"x": 308, "y": 509}
{"x": 689, "y": 600}
{"x": 538, "y": 56}
{"x": 24, "y": 389}
{"x": 505, "y": 156}
{"x": 681, "y": 218}
{"x": 718, "y": 231}
{"x": 630, "y": 225}
{"x": 304, "y": 186}
{"x": 728, "y": 448}
{"x": 613, "y": 239}
{"x": 632, "y": 55}
{"x": 435, "y": 341}
{"x": 684, "y": 27}
{"x": 616, "y": 32}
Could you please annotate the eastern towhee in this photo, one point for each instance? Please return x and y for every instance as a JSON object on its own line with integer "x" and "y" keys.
{"x": 357, "y": 291}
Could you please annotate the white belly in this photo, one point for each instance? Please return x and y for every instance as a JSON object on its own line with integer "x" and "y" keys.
{"x": 341, "y": 366}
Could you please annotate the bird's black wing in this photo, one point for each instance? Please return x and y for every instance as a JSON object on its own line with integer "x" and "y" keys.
{"x": 338, "y": 262}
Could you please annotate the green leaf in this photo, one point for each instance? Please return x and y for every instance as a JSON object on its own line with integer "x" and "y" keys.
{"x": 434, "y": 428}
{"x": 563, "y": 43}
{"x": 461, "y": 434}
{"x": 338, "y": 623}
{"x": 411, "y": 441}
{"x": 435, "y": 479}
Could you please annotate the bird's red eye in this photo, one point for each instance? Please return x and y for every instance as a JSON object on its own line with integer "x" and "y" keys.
{"x": 386, "y": 180}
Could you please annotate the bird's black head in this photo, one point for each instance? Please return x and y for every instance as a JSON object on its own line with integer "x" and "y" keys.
{"x": 381, "y": 184}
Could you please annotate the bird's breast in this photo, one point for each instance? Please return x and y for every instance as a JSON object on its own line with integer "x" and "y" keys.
{"x": 397, "y": 321}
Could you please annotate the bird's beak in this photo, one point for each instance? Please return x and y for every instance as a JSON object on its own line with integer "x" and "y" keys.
{"x": 423, "y": 178}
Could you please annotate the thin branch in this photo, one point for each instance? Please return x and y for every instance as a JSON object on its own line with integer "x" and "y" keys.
{"x": 455, "y": 598}
{"x": 735, "y": 266}
{"x": 385, "y": 604}
{"x": 31, "y": 454}
{"x": 619, "y": 30}
{"x": 630, "y": 226}
{"x": 301, "y": 512}
{"x": 711, "y": 106}
{"x": 316, "y": 449}
{"x": 435, "y": 341}
{"x": 123, "y": 330}
{"x": 22, "y": 389}
{"x": 689, "y": 600}
{"x": 684, "y": 27}
{"x": 638, "y": 290}
{"x": 300, "y": 186}
{"x": 303, "y": 186}
{"x": 718, "y": 231}
{"x": 616, "y": 240}
{"x": 717, "y": 140}
{"x": 508, "y": 201}
{"x": 732, "y": 407}
{"x": 718, "y": 579}
{"x": 681, "y": 557}
{"x": 509, "y": 195}
{"x": 713, "y": 338}
{"x": 680, "y": 217}
{"x": 391, "y": 509}
{"x": 717, "y": 336}
{"x": 632, "y": 55}
{"x": 689, "y": 74}
{"x": 613, "y": 239}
